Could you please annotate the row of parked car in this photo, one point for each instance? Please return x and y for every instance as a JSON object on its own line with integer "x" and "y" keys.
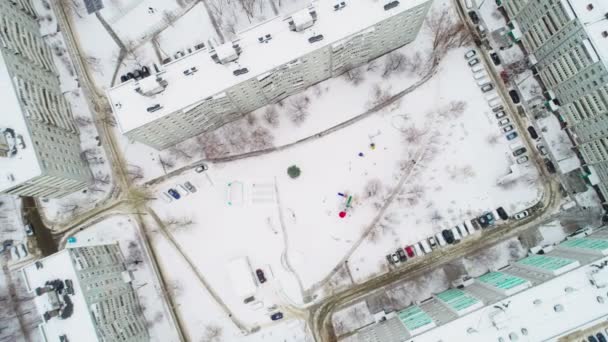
{"x": 178, "y": 191}
{"x": 452, "y": 235}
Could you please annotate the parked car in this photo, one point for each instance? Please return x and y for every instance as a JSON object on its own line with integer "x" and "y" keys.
{"x": 29, "y": 231}
{"x": 260, "y": 274}
{"x": 486, "y": 219}
{"x": 201, "y": 168}
{"x": 15, "y": 253}
{"x": 470, "y": 54}
{"x": 550, "y": 166}
{"x": 502, "y": 213}
{"x": 440, "y": 239}
{"x": 592, "y": 338}
{"x": 532, "y": 132}
{"x": 511, "y": 136}
{"x": 22, "y": 250}
{"x": 601, "y": 337}
{"x": 501, "y": 114}
{"x": 448, "y": 236}
{"x": 504, "y": 121}
{"x": 389, "y": 258}
{"x": 174, "y": 193}
{"x": 166, "y": 197}
{"x": 249, "y": 300}
{"x": 424, "y": 245}
{"x": 487, "y": 87}
{"x": 522, "y": 159}
{"x": 469, "y": 227}
{"x": 507, "y": 128}
{"x": 457, "y": 237}
{"x": 276, "y": 316}
{"x": 410, "y": 251}
{"x": 182, "y": 190}
{"x": 460, "y": 228}
{"x": 474, "y": 17}
{"x": 401, "y": 255}
{"x": 190, "y": 187}
{"x": 542, "y": 149}
{"x": 519, "y": 151}
{"x": 395, "y": 258}
{"x": 495, "y": 58}
{"x": 69, "y": 286}
{"x": 497, "y": 110}
{"x": 473, "y": 61}
{"x": 418, "y": 250}
{"x": 520, "y": 215}
{"x": 514, "y": 96}
{"x": 432, "y": 242}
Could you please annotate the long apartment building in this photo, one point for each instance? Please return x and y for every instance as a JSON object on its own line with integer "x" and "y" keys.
{"x": 568, "y": 44}
{"x": 85, "y": 294}
{"x": 39, "y": 142}
{"x": 212, "y": 85}
{"x": 541, "y": 297}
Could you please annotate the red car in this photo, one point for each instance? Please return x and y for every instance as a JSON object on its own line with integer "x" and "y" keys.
{"x": 410, "y": 251}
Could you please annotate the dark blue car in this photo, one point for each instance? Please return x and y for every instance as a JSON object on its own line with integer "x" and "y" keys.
{"x": 276, "y": 316}
{"x": 174, "y": 193}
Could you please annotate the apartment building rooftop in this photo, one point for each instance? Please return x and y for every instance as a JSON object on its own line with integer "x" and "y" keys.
{"x": 21, "y": 162}
{"x": 74, "y": 320}
{"x": 207, "y": 71}
{"x": 594, "y": 15}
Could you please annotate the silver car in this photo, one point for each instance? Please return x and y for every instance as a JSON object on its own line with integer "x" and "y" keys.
{"x": 190, "y": 187}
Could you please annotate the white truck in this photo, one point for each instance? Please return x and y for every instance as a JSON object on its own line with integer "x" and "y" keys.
{"x": 241, "y": 277}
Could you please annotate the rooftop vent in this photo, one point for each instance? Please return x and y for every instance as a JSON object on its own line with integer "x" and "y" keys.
{"x": 339, "y": 6}
{"x": 239, "y": 72}
{"x": 391, "y": 5}
{"x": 199, "y": 46}
{"x": 265, "y": 39}
{"x": 226, "y": 53}
{"x": 303, "y": 19}
{"x": 589, "y": 7}
{"x": 154, "y": 108}
{"x": 315, "y": 39}
{"x": 605, "y": 34}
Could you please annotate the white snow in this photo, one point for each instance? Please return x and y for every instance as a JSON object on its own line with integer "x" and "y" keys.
{"x": 123, "y": 230}
{"x": 79, "y": 326}
{"x": 24, "y": 165}
{"x": 183, "y": 91}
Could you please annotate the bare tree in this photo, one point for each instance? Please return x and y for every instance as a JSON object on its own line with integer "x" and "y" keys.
{"x": 447, "y": 33}
{"x": 514, "y": 249}
{"x": 372, "y": 66}
{"x": 134, "y": 254}
{"x": 168, "y": 17}
{"x": 394, "y": 62}
{"x": 492, "y": 138}
{"x": 82, "y": 121}
{"x": 74, "y": 6}
{"x": 70, "y": 208}
{"x": 135, "y": 172}
{"x": 436, "y": 216}
{"x": 213, "y": 333}
{"x": 100, "y": 179}
{"x": 166, "y": 162}
{"x": 373, "y": 187}
{"x": 355, "y": 75}
{"x": 178, "y": 223}
{"x": 380, "y": 94}
{"x": 298, "y": 109}
{"x": 179, "y": 153}
{"x": 237, "y": 137}
{"x": 271, "y": 116}
{"x": 413, "y": 135}
{"x": 212, "y": 145}
{"x": 261, "y": 138}
{"x": 453, "y": 110}
{"x": 248, "y": 7}
{"x": 251, "y": 119}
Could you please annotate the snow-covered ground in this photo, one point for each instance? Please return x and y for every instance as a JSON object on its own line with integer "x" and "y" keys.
{"x": 123, "y": 229}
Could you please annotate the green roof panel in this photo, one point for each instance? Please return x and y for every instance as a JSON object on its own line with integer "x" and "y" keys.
{"x": 586, "y": 243}
{"x": 501, "y": 280}
{"x": 457, "y": 299}
{"x": 545, "y": 262}
{"x": 413, "y": 318}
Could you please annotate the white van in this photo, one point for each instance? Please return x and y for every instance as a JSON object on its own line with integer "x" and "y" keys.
{"x": 456, "y": 234}
{"x": 440, "y": 239}
{"x": 462, "y": 230}
{"x": 483, "y": 80}
{"x": 469, "y": 227}
{"x": 418, "y": 250}
{"x": 516, "y": 145}
{"x": 480, "y": 75}
{"x": 425, "y": 246}
{"x": 477, "y": 68}
{"x": 495, "y": 102}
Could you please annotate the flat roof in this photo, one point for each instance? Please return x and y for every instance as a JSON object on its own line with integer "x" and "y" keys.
{"x": 531, "y": 312}
{"x": 598, "y": 245}
{"x": 79, "y": 326}
{"x": 501, "y": 280}
{"x": 24, "y": 165}
{"x": 414, "y": 318}
{"x": 545, "y": 262}
{"x": 592, "y": 13}
{"x": 459, "y": 300}
{"x": 184, "y": 91}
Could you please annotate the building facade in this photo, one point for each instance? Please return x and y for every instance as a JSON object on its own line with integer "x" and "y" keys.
{"x": 541, "y": 297}
{"x": 567, "y": 42}
{"x": 206, "y": 88}
{"x": 84, "y": 294}
{"x": 40, "y": 147}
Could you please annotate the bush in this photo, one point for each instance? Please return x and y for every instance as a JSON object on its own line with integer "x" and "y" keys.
{"x": 294, "y": 171}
